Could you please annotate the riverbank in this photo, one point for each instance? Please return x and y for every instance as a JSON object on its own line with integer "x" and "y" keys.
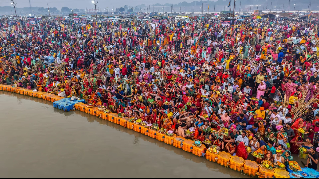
{"x": 247, "y": 167}
{"x": 42, "y": 141}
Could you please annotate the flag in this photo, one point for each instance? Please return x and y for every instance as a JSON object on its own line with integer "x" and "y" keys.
{"x": 309, "y": 14}
{"x": 208, "y": 7}
{"x": 229, "y": 3}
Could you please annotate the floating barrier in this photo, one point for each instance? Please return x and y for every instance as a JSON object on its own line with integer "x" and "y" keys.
{"x": 199, "y": 151}
{"x": 123, "y": 122}
{"x": 280, "y": 173}
{"x": 236, "y": 163}
{"x": 223, "y": 158}
{"x": 248, "y": 167}
{"x": 178, "y": 142}
{"x": 188, "y": 146}
{"x": 65, "y": 104}
{"x": 169, "y": 140}
{"x": 211, "y": 156}
{"x": 266, "y": 173}
{"x": 251, "y": 168}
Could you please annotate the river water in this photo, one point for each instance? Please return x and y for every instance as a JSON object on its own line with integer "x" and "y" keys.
{"x": 38, "y": 140}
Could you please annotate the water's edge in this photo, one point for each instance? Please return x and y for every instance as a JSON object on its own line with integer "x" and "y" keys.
{"x": 188, "y": 156}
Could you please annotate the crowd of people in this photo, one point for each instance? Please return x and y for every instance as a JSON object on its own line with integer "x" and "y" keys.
{"x": 249, "y": 89}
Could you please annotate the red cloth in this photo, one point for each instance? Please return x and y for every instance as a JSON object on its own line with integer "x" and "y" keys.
{"x": 273, "y": 89}
{"x": 241, "y": 151}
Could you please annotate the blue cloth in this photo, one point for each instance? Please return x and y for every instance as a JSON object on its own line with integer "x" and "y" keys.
{"x": 243, "y": 120}
{"x": 262, "y": 143}
{"x": 199, "y": 125}
{"x": 260, "y": 102}
{"x": 272, "y": 149}
{"x": 280, "y": 57}
{"x": 250, "y": 127}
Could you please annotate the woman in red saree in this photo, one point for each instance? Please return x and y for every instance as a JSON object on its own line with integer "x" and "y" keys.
{"x": 241, "y": 151}
{"x": 299, "y": 123}
{"x": 295, "y": 144}
{"x": 220, "y": 143}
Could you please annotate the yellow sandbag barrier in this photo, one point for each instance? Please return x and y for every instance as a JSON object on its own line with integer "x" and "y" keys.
{"x": 143, "y": 130}
{"x": 199, "y": 151}
{"x": 152, "y": 133}
{"x": 236, "y": 163}
{"x": 265, "y": 173}
{"x": 280, "y": 173}
{"x": 178, "y": 142}
{"x": 137, "y": 128}
{"x": 251, "y": 168}
{"x": 248, "y": 167}
{"x": 103, "y": 115}
{"x": 123, "y": 122}
{"x": 130, "y": 125}
{"x": 188, "y": 145}
{"x": 118, "y": 121}
{"x": 223, "y": 158}
{"x": 169, "y": 140}
{"x": 160, "y": 137}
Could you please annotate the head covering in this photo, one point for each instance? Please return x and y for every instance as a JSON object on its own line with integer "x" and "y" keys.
{"x": 279, "y": 151}
{"x": 262, "y": 108}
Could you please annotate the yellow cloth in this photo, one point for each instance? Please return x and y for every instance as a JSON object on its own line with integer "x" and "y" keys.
{"x": 227, "y": 63}
{"x": 170, "y": 114}
{"x": 259, "y": 78}
{"x": 260, "y": 114}
{"x": 293, "y": 99}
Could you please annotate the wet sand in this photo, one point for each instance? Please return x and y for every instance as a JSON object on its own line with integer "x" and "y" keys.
{"x": 41, "y": 141}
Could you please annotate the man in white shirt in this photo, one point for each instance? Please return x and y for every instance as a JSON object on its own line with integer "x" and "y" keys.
{"x": 117, "y": 72}
{"x": 208, "y": 109}
{"x": 275, "y": 114}
{"x": 242, "y": 138}
{"x": 287, "y": 119}
{"x": 221, "y": 111}
{"x": 189, "y": 85}
{"x": 247, "y": 90}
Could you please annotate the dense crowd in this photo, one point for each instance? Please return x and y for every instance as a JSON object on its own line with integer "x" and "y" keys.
{"x": 250, "y": 89}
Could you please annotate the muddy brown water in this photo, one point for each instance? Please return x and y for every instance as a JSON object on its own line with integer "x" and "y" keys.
{"x": 38, "y": 140}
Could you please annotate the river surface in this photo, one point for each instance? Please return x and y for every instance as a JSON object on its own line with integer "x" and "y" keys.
{"x": 38, "y": 140}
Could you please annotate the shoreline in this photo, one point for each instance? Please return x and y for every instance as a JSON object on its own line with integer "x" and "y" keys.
{"x": 247, "y": 167}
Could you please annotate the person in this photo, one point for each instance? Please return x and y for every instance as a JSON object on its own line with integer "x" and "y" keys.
{"x": 278, "y": 156}
{"x": 312, "y": 160}
{"x": 269, "y": 156}
{"x": 231, "y": 148}
{"x": 287, "y": 157}
{"x": 261, "y": 89}
{"x": 270, "y": 147}
{"x": 242, "y": 138}
{"x": 261, "y": 114}
{"x": 242, "y": 121}
{"x": 315, "y": 121}
{"x": 173, "y": 77}
{"x": 241, "y": 151}
{"x": 293, "y": 99}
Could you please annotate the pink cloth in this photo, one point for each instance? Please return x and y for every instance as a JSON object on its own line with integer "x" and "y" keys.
{"x": 224, "y": 118}
{"x": 262, "y": 86}
{"x": 290, "y": 89}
